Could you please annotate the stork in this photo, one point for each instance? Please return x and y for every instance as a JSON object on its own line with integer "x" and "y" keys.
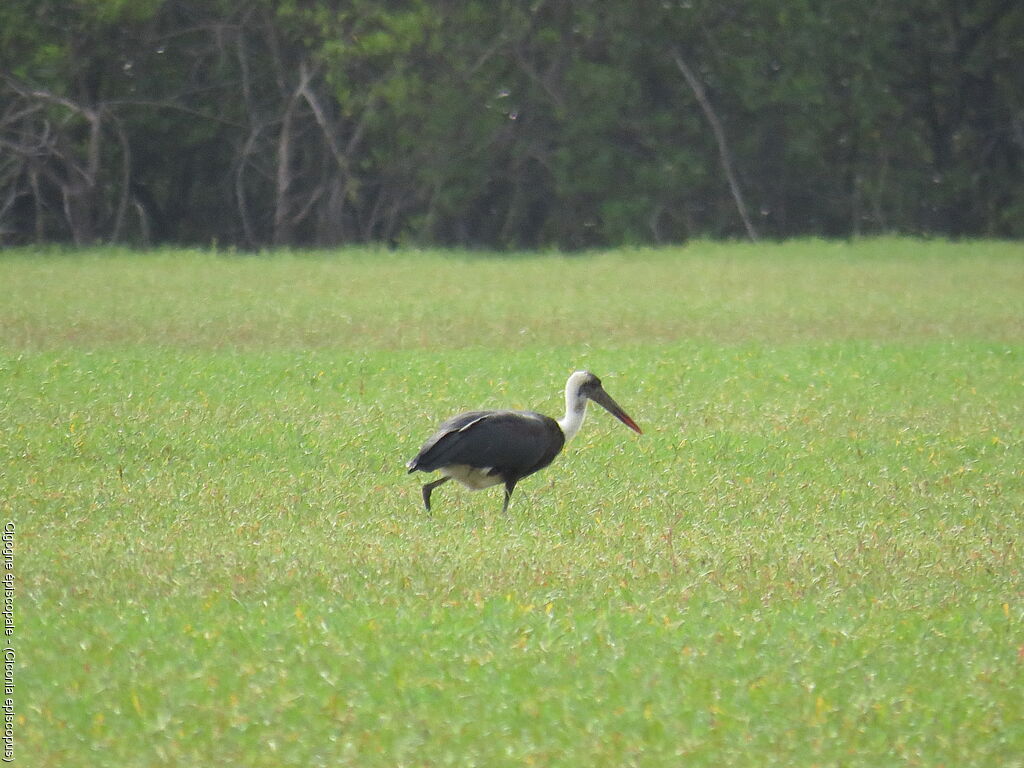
{"x": 484, "y": 448}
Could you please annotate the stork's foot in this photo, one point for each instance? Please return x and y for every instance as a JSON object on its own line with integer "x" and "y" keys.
{"x": 429, "y": 488}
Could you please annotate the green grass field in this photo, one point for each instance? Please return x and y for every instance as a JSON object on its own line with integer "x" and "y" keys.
{"x": 812, "y": 557}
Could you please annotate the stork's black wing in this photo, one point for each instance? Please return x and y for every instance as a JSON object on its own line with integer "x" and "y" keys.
{"x": 425, "y": 459}
{"x": 512, "y": 443}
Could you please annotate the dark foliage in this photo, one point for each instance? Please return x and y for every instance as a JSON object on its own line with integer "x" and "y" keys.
{"x": 490, "y": 123}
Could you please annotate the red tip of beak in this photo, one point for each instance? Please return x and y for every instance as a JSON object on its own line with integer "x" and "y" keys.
{"x": 631, "y": 424}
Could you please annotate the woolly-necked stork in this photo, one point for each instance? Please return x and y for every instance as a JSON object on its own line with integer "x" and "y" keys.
{"x": 484, "y": 448}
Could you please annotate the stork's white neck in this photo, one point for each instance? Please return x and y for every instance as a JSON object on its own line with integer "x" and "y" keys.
{"x": 575, "y": 409}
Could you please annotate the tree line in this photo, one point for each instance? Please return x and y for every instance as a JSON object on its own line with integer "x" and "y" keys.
{"x": 500, "y": 124}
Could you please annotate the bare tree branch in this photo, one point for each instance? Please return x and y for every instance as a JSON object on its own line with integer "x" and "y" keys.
{"x": 240, "y": 194}
{"x": 723, "y": 149}
{"x": 126, "y": 178}
{"x": 305, "y": 76}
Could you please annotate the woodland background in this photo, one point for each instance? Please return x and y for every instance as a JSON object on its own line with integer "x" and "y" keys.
{"x": 555, "y": 123}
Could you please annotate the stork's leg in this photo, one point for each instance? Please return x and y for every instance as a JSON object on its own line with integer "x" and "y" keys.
{"x": 428, "y": 489}
{"x": 510, "y": 485}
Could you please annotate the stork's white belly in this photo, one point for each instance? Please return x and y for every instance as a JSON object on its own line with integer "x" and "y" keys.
{"x": 471, "y": 477}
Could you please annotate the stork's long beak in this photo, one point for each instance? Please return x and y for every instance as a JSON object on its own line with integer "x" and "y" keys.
{"x": 603, "y": 399}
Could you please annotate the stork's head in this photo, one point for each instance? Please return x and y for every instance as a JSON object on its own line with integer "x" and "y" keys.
{"x": 583, "y": 386}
